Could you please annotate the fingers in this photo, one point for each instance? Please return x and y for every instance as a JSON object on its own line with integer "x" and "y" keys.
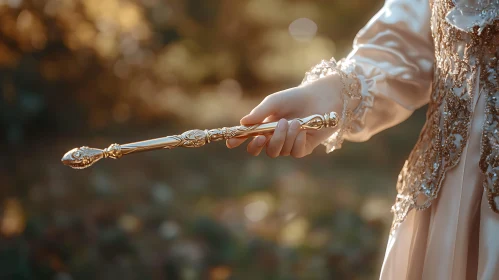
{"x": 266, "y": 108}
{"x": 235, "y": 142}
{"x": 286, "y": 140}
{"x": 291, "y": 135}
{"x": 277, "y": 140}
{"x": 299, "y": 148}
{"x": 255, "y": 147}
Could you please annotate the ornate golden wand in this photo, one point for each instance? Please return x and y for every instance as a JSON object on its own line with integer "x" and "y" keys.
{"x": 83, "y": 157}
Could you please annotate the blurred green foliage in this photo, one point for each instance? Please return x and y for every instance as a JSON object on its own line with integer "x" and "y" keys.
{"x": 96, "y": 72}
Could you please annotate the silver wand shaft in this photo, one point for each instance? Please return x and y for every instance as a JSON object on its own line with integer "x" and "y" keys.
{"x": 84, "y": 157}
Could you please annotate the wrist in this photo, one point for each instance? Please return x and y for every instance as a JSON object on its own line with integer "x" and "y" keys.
{"x": 332, "y": 87}
{"x": 344, "y": 88}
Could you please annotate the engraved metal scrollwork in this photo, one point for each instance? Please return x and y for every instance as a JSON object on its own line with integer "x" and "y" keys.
{"x": 191, "y": 139}
{"x": 83, "y": 157}
{"x": 113, "y": 151}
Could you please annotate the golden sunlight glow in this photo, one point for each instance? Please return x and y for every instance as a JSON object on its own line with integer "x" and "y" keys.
{"x": 13, "y": 221}
{"x": 129, "y": 223}
{"x": 294, "y": 233}
{"x": 220, "y": 273}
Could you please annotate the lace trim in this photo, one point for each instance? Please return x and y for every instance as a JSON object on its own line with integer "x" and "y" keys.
{"x": 467, "y": 14}
{"x": 353, "y": 86}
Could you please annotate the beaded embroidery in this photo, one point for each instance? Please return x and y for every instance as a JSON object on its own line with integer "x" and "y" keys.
{"x": 489, "y": 160}
{"x": 466, "y": 14}
{"x": 460, "y": 58}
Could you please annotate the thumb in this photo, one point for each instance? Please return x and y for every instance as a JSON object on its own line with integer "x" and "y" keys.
{"x": 269, "y": 106}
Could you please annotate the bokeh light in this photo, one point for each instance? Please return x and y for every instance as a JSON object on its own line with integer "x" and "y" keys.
{"x": 256, "y": 211}
{"x": 12, "y": 220}
{"x": 294, "y": 232}
{"x": 303, "y": 29}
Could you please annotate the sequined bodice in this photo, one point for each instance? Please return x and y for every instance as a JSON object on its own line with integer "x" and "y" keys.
{"x": 465, "y": 65}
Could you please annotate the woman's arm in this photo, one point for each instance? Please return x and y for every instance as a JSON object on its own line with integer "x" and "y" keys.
{"x": 392, "y": 64}
{"x": 393, "y": 57}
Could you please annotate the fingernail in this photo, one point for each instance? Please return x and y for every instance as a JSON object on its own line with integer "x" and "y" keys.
{"x": 295, "y": 125}
{"x": 281, "y": 124}
{"x": 244, "y": 120}
{"x": 260, "y": 141}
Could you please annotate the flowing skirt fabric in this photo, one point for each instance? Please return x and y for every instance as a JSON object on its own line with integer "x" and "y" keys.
{"x": 457, "y": 238}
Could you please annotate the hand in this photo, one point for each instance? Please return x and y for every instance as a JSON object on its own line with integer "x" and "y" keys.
{"x": 319, "y": 97}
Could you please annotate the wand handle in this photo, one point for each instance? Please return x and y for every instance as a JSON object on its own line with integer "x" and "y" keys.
{"x": 84, "y": 157}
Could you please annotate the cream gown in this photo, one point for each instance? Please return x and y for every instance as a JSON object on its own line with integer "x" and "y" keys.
{"x": 441, "y": 52}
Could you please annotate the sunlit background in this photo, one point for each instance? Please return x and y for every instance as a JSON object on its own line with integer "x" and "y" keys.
{"x": 97, "y": 72}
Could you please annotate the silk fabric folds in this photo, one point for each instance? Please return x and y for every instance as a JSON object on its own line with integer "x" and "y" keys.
{"x": 396, "y": 59}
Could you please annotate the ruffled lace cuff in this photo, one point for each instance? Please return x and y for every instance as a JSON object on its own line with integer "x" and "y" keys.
{"x": 355, "y": 87}
{"x": 466, "y": 14}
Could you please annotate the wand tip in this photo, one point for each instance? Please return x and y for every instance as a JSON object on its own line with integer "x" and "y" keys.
{"x": 83, "y": 157}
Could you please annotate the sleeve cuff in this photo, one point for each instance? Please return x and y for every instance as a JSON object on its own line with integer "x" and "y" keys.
{"x": 358, "y": 89}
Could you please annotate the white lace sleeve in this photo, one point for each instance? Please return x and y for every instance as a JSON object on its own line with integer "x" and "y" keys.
{"x": 392, "y": 64}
